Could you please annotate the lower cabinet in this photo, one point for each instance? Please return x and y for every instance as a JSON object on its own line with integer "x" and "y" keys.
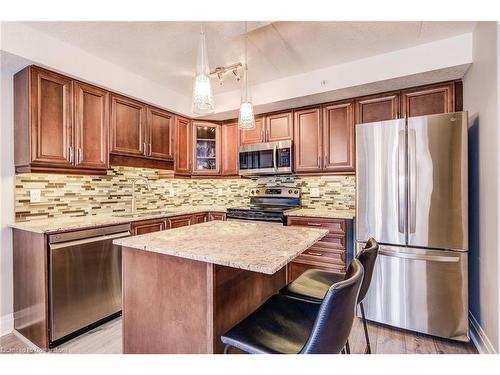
{"x": 330, "y": 253}
{"x": 155, "y": 225}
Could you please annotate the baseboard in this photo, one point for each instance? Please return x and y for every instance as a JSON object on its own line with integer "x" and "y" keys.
{"x": 479, "y": 338}
{"x": 6, "y": 324}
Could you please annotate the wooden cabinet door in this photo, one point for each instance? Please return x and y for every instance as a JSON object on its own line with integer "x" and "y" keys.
{"x": 148, "y": 226}
{"x": 230, "y": 148}
{"x": 128, "y": 126}
{"x": 308, "y": 140}
{"x": 338, "y": 137}
{"x": 429, "y": 100}
{"x": 256, "y": 135}
{"x": 206, "y": 148}
{"x": 183, "y": 143}
{"x": 51, "y": 119}
{"x": 216, "y": 216}
{"x": 180, "y": 221}
{"x": 200, "y": 218}
{"x": 91, "y": 126}
{"x": 279, "y": 127}
{"x": 160, "y": 129}
{"x": 377, "y": 108}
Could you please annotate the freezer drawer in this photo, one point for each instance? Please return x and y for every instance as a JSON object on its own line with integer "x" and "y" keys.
{"x": 420, "y": 290}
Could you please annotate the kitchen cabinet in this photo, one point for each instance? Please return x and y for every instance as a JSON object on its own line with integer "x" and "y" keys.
{"x": 148, "y": 226}
{"x": 183, "y": 142}
{"x": 216, "y": 216}
{"x": 128, "y": 127}
{"x": 429, "y": 100}
{"x": 255, "y": 135}
{"x": 91, "y": 126}
{"x": 200, "y": 218}
{"x": 206, "y": 148}
{"x": 160, "y": 134}
{"x": 270, "y": 128}
{"x": 308, "y": 140}
{"x": 338, "y": 137}
{"x": 180, "y": 221}
{"x": 230, "y": 148}
{"x": 329, "y": 253}
{"x": 379, "y": 107}
{"x": 61, "y": 125}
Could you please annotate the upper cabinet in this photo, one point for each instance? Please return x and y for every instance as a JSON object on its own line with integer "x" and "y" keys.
{"x": 308, "y": 140}
{"x": 338, "y": 137}
{"x": 61, "y": 125}
{"x": 128, "y": 127}
{"x": 206, "y": 148}
{"x": 270, "y": 128}
{"x": 160, "y": 134}
{"x": 230, "y": 148}
{"x": 183, "y": 142}
{"x": 377, "y": 108}
{"x": 91, "y": 126}
{"x": 429, "y": 100}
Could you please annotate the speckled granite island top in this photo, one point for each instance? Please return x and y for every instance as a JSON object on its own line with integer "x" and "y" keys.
{"x": 257, "y": 247}
{"x": 323, "y": 213}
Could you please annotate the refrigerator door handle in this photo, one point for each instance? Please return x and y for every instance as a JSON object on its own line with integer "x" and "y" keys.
{"x": 412, "y": 180}
{"x": 429, "y": 258}
{"x": 401, "y": 182}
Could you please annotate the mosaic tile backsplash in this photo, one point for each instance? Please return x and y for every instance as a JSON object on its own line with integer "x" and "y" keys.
{"x": 74, "y": 195}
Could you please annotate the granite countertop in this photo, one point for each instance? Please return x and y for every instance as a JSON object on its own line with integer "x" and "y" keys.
{"x": 65, "y": 224}
{"x": 258, "y": 247}
{"x": 330, "y": 214}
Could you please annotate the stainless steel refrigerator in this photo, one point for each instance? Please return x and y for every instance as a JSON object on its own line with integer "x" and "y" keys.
{"x": 412, "y": 197}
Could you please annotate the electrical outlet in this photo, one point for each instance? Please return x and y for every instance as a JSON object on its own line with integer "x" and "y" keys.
{"x": 171, "y": 192}
{"x": 35, "y": 195}
{"x": 314, "y": 192}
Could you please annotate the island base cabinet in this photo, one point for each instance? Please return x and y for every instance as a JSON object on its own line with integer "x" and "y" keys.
{"x": 177, "y": 305}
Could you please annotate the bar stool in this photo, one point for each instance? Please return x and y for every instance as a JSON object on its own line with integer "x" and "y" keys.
{"x": 313, "y": 284}
{"x": 285, "y": 325}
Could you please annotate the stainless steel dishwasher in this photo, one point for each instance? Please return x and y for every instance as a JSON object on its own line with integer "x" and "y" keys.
{"x": 85, "y": 279}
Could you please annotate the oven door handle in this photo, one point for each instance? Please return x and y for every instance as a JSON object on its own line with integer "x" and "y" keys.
{"x": 62, "y": 245}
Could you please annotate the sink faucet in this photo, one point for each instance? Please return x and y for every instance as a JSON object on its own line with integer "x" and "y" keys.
{"x": 134, "y": 182}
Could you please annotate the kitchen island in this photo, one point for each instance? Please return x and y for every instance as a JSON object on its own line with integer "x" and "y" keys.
{"x": 183, "y": 288}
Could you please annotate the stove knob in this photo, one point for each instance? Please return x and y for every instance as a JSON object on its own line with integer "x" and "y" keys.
{"x": 289, "y": 191}
{"x": 258, "y": 191}
{"x": 296, "y": 192}
{"x": 252, "y": 192}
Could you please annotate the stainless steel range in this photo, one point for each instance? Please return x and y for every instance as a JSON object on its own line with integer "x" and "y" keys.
{"x": 267, "y": 204}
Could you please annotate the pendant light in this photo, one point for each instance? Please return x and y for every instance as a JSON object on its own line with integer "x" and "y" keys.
{"x": 203, "y": 97}
{"x": 246, "y": 120}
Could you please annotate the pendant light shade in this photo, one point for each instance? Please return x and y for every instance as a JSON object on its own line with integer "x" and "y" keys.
{"x": 246, "y": 120}
{"x": 203, "y": 97}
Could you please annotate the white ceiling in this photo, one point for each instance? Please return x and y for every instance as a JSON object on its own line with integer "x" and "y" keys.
{"x": 166, "y": 51}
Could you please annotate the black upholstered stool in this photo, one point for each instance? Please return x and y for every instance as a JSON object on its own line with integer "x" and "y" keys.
{"x": 289, "y": 325}
{"x": 313, "y": 284}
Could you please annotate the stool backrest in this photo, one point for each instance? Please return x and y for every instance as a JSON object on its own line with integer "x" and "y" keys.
{"x": 367, "y": 257}
{"x": 334, "y": 321}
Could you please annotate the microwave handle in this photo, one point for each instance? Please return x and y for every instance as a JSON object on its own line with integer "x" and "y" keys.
{"x": 275, "y": 163}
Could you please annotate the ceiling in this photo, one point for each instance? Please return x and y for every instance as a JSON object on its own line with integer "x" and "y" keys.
{"x": 166, "y": 51}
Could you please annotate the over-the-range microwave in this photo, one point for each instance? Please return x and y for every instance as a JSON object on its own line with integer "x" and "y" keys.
{"x": 266, "y": 158}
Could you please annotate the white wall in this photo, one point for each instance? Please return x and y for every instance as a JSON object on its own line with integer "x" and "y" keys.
{"x": 6, "y": 197}
{"x": 481, "y": 100}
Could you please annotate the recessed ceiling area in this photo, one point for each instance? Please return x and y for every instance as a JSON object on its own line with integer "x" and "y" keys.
{"x": 165, "y": 52}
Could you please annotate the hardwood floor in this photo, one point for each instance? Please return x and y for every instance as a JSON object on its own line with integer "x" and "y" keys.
{"x": 107, "y": 339}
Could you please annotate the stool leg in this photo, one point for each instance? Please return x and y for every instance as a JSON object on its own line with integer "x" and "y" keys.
{"x": 368, "y": 348}
{"x": 226, "y": 349}
{"x": 342, "y": 351}
{"x": 347, "y": 348}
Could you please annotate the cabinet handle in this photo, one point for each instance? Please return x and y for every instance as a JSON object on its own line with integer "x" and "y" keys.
{"x": 267, "y": 135}
{"x": 70, "y": 149}
{"x": 145, "y": 149}
{"x": 315, "y": 253}
{"x": 80, "y": 155}
{"x": 319, "y": 161}
{"x": 314, "y": 224}
{"x": 150, "y": 151}
{"x": 262, "y": 135}
{"x": 325, "y": 160}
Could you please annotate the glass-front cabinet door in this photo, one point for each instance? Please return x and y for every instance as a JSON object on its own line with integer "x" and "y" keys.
{"x": 206, "y": 148}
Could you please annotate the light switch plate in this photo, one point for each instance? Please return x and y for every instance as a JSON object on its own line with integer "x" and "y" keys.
{"x": 35, "y": 195}
{"x": 314, "y": 192}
